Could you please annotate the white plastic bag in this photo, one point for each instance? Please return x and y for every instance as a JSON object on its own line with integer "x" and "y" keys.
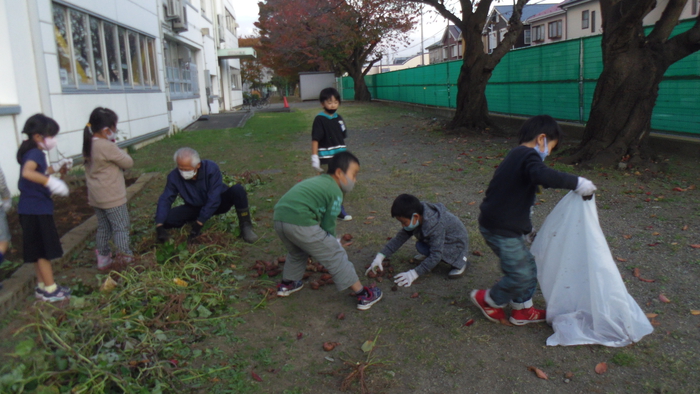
{"x": 587, "y": 302}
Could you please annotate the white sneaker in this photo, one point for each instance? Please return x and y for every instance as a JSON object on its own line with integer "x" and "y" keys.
{"x": 419, "y": 257}
{"x": 457, "y": 272}
{"x": 345, "y": 218}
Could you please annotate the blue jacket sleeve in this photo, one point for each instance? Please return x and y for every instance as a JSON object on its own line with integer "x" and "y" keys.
{"x": 215, "y": 186}
{"x": 399, "y": 239}
{"x": 165, "y": 201}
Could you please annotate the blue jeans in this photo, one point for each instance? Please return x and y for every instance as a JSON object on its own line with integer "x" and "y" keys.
{"x": 423, "y": 248}
{"x": 519, "y": 279}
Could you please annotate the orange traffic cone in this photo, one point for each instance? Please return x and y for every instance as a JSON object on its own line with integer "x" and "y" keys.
{"x": 286, "y": 104}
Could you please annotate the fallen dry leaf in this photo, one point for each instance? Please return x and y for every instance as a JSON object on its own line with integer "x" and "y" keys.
{"x": 647, "y": 280}
{"x": 655, "y": 233}
{"x": 472, "y": 203}
{"x": 505, "y": 322}
{"x": 601, "y": 368}
{"x": 368, "y": 222}
{"x": 695, "y": 246}
{"x": 370, "y": 217}
{"x": 694, "y": 312}
{"x": 652, "y": 315}
{"x": 300, "y": 335}
{"x": 341, "y": 316}
{"x": 540, "y": 374}
{"x": 569, "y": 375}
{"x": 477, "y": 253}
{"x": 636, "y": 273}
{"x": 469, "y": 323}
{"x": 678, "y": 189}
{"x": 654, "y": 322}
{"x": 626, "y": 236}
{"x": 256, "y": 376}
{"x": 620, "y": 259}
{"x": 414, "y": 295}
{"x": 663, "y": 298}
{"x": 684, "y": 228}
{"x": 328, "y": 346}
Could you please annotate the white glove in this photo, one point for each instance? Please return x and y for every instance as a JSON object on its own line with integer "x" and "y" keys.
{"x": 530, "y": 237}
{"x": 316, "y": 163}
{"x": 377, "y": 263}
{"x": 7, "y": 205}
{"x": 68, "y": 163}
{"x": 57, "y": 186}
{"x": 406, "y": 278}
{"x": 585, "y": 187}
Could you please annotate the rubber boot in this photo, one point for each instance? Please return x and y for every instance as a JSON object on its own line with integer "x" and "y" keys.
{"x": 246, "y": 225}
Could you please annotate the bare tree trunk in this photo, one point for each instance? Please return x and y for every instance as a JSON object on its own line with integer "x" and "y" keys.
{"x": 633, "y": 67}
{"x": 361, "y": 90}
{"x": 472, "y": 107}
{"x": 620, "y": 118}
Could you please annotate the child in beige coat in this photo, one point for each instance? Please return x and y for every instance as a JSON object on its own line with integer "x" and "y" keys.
{"x": 105, "y": 163}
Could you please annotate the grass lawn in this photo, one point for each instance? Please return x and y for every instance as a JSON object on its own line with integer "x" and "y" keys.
{"x": 197, "y": 319}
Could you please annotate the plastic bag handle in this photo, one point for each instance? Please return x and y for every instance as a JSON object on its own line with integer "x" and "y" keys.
{"x": 587, "y": 198}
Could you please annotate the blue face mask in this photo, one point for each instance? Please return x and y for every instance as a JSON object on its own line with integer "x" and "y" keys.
{"x": 546, "y": 149}
{"x": 412, "y": 226}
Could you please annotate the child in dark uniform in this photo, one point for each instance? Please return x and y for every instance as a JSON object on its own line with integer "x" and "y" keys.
{"x": 328, "y": 134}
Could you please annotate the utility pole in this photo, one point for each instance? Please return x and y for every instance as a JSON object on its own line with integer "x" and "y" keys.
{"x": 422, "y": 50}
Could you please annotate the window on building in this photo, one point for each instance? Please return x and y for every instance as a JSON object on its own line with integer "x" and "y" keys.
{"x": 95, "y": 54}
{"x": 585, "y": 21}
{"x": 63, "y": 46}
{"x": 231, "y": 23}
{"x": 555, "y": 29}
{"x": 204, "y": 7}
{"x": 445, "y": 53}
{"x": 455, "y": 51}
{"x": 181, "y": 71}
{"x": 593, "y": 21}
{"x": 694, "y": 7}
{"x": 527, "y": 37}
{"x": 538, "y": 33}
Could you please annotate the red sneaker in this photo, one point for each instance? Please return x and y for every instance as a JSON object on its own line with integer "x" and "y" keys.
{"x": 491, "y": 313}
{"x": 520, "y": 317}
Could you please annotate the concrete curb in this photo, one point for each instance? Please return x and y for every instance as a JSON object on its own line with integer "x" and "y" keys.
{"x": 21, "y": 284}
{"x": 245, "y": 118}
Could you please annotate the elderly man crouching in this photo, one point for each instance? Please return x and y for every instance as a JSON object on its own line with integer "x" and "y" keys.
{"x": 200, "y": 184}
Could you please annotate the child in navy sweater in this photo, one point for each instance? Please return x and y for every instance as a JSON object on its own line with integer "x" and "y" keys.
{"x": 505, "y": 219}
{"x": 35, "y": 208}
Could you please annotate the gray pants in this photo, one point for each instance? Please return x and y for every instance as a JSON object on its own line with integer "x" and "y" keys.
{"x": 114, "y": 224}
{"x": 302, "y": 242}
{"x": 4, "y": 228}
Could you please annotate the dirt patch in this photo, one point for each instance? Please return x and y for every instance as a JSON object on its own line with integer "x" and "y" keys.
{"x": 69, "y": 212}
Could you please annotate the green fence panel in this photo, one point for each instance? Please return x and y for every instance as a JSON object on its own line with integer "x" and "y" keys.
{"x": 558, "y": 79}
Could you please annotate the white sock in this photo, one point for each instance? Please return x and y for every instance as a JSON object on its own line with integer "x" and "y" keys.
{"x": 41, "y": 286}
{"x": 51, "y": 289}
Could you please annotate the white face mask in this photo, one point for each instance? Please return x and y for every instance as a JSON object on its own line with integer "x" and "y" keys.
{"x": 187, "y": 175}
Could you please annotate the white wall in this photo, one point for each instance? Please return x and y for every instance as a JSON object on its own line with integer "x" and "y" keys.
{"x": 29, "y": 72}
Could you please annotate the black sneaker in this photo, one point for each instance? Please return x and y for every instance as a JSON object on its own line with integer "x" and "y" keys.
{"x": 345, "y": 218}
{"x": 365, "y": 302}
{"x": 60, "y": 294}
{"x": 286, "y": 288}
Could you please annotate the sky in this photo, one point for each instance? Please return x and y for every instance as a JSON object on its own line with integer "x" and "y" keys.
{"x": 433, "y": 24}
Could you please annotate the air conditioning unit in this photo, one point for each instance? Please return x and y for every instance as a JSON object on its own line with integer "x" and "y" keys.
{"x": 180, "y": 25}
{"x": 174, "y": 10}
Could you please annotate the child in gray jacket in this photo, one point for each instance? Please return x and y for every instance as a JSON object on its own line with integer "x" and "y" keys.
{"x": 440, "y": 235}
